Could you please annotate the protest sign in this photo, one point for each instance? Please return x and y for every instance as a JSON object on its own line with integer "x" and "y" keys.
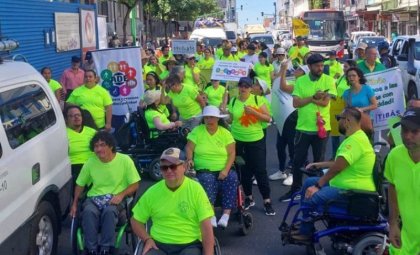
{"x": 389, "y": 92}
{"x": 183, "y": 46}
{"x": 229, "y": 71}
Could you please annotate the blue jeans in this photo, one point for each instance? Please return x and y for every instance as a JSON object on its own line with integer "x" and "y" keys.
{"x": 318, "y": 199}
{"x": 94, "y": 219}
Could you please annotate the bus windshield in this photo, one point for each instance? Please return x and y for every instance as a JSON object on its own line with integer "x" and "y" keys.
{"x": 326, "y": 30}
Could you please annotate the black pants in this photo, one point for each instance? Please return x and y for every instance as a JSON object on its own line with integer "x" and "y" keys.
{"x": 254, "y": 154}
{"x": 302, "y": 143}
{"x": 286, "y": 139}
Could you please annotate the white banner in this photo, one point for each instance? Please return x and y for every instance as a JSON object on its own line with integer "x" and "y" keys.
{"x": 229, "y": 71}
{"x": 121, "y": 74}
{"x": 389, "y": 92}
{"x": 281, "y": 105}
{"x": 184, "y": 46}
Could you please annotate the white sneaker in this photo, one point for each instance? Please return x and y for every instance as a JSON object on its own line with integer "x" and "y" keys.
{"x": 213, "y": 221}
{"x": 223, "y": 222}
{"x": 289, "y": 180}
{"x": 255, "y": 182}
{"x": 279, "y": 175}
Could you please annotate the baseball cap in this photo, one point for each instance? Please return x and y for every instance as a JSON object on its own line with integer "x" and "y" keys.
{"x": 262, "y": 84}
{"x": 233, "y": 49}
{"x": 150, "y": 96}
{"x": 188, "y": 56}
{"x": 410, "y": 119}
{"x": 362, "y": 46}
{"x": 332, "y": 53}
{"x": 304, "y": 68}
{"x": 245, "y": 82}
{"x": 172, "y": 155}
{"x": 299, "y": 38}
{"x": 281, "y": 51}
{"x": 315, "y": 58}
{"x": 75, "y": 59}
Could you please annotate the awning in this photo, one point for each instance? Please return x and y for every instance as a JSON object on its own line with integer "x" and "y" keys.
{"x": 373, "y": 8}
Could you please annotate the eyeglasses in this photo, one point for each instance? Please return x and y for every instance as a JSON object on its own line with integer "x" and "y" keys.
{"x": 339, "y": 117}
{"x": 173, "y": 167}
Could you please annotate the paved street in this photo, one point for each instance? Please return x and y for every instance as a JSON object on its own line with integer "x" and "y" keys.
{"x": 263, "y": 239}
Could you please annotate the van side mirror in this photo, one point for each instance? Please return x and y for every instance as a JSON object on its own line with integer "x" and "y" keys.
{"x": 403, "y": 57}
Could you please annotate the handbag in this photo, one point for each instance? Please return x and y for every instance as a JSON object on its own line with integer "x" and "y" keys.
{"x": 365, "y": 121}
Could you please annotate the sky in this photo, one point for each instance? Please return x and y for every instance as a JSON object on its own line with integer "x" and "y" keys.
{"x": 251, "y": 13}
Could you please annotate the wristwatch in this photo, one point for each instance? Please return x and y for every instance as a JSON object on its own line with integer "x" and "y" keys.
{"x": 317, "y": 185}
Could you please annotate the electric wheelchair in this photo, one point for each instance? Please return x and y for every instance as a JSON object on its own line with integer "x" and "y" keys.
{"x": 134, "y": 139}
{"x": 355, "y": 227}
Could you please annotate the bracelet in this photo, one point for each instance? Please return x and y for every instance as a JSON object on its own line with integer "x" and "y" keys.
{"x": 317, "y": 185}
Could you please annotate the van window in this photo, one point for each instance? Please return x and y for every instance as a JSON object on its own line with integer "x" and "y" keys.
{"x": 25, "y": 112}
{"x": 396, "y": 47}
{"x": 405, "y": 48}
{"x": 417, "y": 51}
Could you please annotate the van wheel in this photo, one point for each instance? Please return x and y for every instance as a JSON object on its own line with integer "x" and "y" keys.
{"x": 412, "y": 91}
{"x": 44, "y": 230}
{"x": 154, "y": 170}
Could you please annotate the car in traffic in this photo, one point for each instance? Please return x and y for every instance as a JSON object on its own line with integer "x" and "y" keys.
{"x": 265, "y": 38}
{"x": 406, "y": 50}
{"x": 371, "y": 41}
{"x": 354, "y": 40}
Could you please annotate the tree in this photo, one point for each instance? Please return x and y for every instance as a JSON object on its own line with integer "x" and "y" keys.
{"x": 130, "y": 4}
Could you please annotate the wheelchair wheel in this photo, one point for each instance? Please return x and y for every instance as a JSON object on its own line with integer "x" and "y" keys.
{"x": 75, "y": 246}
{"x": 217, "y": 250}
{"x": 247, "y": 222}
{"x": 154, "y": 170}
{"x": 367, "y": 245}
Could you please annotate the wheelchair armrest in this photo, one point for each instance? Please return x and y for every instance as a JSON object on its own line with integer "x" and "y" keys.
{"x": 312, "y": 172}
{"x": 239, "y": 161}
{"x": 356, "y": 192}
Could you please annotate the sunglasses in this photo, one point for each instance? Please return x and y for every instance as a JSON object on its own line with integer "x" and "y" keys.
{"x": 173, "y": 167}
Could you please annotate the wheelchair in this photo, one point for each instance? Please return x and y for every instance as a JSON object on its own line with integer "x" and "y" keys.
{"x": 123, "y": 227}
{"x": 244, "y": 218}
{"x": 355, "y": 227}
{"x": 134, "y": 139}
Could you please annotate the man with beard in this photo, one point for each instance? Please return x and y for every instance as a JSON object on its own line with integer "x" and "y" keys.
{"x": 352, "y": 169}
{"x": 311, "y": 98}
{"x": 402, "y": 170}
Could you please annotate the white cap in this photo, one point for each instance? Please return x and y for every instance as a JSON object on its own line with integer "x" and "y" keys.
{"x": 151, "y": 96}
{"x": 281, "y": 51}
{"x": 189, "y": 56}
{"x": 362, "y": 46}
{"x": 233, "y": 49}
{"x": 212, "y": 111}
{"x": 263, "y": 84}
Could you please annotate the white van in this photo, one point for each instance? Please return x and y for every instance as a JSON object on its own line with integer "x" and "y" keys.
{"x": 35, "y": 175}
{"x": 409, "y": 62}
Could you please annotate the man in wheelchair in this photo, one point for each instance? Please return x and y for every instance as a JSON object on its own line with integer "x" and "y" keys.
{"x": 351, "y": 170}
{"x": 179, "y": 210}
{"x": 112, "y": 177}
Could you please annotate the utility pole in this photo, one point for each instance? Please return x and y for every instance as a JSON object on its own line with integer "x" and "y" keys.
{"x": 418, "y": 18}
{"x": 275, "y": 14}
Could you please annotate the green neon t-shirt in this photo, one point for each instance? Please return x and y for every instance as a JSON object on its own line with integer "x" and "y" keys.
{"x": 215, "y": 96}
{"x": 335, "y": 67}
{"x": 79, "y": 150}
{"x": 185, "y": 101}
{"x": 93, "y": 100}
{"x": 189, "y": 79}
{"x": 404, "y": 174}
{"x": 358, "y": 152}
{"x": 254, "y": 131}
{"x": 210, "y": 150}
{"x": 305, "y": 87}
{"x": 204, "y": 63}
{"x": 342, "y": 85}
{"x": 108, "y": 178}
{"x": 268, "y": 105}
{"x": 54, "y": 85}
{"x": 264, "y": 72}
{"x": 150, "y": 115}
{"x": 176, "y": 215}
